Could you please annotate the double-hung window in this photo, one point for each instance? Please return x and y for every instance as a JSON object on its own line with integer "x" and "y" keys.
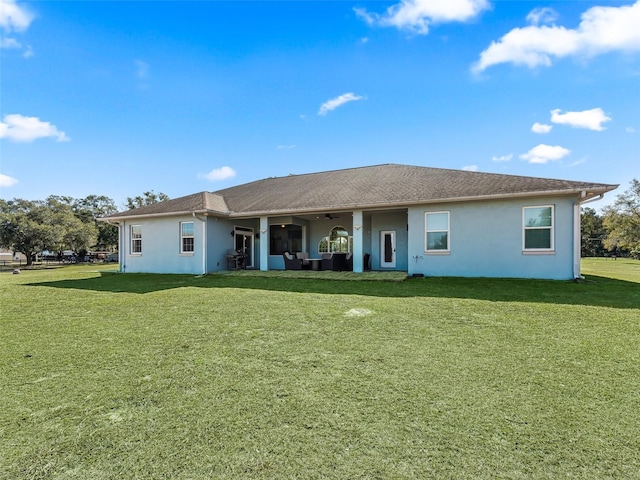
{"x": 437, "y": 232}
{"x": 538, "y": 228}
{"x": 136, "y": 239}
{"x": 187, "y": 234}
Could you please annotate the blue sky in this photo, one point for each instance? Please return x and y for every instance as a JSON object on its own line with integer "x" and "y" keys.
{"x": 117, "y": 98}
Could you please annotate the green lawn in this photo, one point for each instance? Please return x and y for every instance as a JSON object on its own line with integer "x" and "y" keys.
{"x": 109, "y": 376}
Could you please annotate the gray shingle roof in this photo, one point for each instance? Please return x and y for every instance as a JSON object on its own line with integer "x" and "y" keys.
{"x": 364, "y": 187}
{"x": 198, "y": 202}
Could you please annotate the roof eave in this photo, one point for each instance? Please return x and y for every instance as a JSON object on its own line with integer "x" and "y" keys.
{"x": 205, "y": 212}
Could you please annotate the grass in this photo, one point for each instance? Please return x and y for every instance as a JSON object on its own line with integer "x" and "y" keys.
{"x": 107, "y": 376}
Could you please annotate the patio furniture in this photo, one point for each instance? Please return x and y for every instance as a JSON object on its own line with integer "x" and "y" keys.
{"x": 235, "y": 260}
{"x": 365, "y": 265}
{"x": 348, "y": 262}
{"x": 304, "y": 256}
{"x": 333, "y": 261}
{"x": 291, "y": 262}
{"x": 314, "y": 263}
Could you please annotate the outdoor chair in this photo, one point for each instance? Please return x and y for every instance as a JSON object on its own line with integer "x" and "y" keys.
{"x": 327, "y": 261}
{"x": 333, "y": 261}
{"x": 348, "y": 260}
{"x": 291, "y": 262}
{"x": 304, "y": 256}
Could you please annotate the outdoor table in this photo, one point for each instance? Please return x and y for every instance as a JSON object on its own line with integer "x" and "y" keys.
{"x": 315, "y": 263}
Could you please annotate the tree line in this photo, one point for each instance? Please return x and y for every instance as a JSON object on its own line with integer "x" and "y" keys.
{"x": 61, "y": 223}
{"x": 616, "y": 231}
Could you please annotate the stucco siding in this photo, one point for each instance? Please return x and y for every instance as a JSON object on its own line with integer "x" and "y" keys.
{"x": 161, "y": 247}
{"x": 395, "y": 222}
{"x": 486, "y": 240}
{"x": 219, "y": 241}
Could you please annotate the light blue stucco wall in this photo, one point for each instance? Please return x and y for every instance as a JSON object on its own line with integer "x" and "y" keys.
{"x": 161, "y": 247}
{"x": 392, "y": 221}
{"x": 486, "y": 240}
{"x": 220, "y": 240}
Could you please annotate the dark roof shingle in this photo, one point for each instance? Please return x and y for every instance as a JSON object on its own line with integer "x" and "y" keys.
{"x": 364, "y": 187}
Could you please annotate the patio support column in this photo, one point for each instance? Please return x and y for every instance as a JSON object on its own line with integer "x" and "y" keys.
{"x": 358, "y": 227}
{"x": 264, "y": 244}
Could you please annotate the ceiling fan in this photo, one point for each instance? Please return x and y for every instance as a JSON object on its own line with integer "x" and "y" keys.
{"x": 328, "y": 216}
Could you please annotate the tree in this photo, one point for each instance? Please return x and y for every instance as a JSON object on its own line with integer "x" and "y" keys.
{"x": 77, "y": 234}
{"x": 28, "y": 227}
{"x": 622, "y": 221}
{"x": 89, "y": 210}
{"x": 147, "y": 198}
{"x": 592, "y": 233}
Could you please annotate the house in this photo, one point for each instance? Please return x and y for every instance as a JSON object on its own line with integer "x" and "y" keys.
{"x": 425, "y": 221}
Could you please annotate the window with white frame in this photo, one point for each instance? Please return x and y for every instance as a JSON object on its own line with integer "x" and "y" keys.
{"x": 337, "y": 241}
{"x": 136, "y": 239}
{"x": 187, "y": 234}
{"x": 538, "y": 228}
{"x": 436, "y": 231}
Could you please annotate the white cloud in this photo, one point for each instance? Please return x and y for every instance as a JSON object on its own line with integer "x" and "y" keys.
{"x": 590, "y": 119}
{"x": 630, "y": 130}
{"x": 19, "y": 128}
{"x": 334, "y": 103}
{"x": 541, "y": 128}
{"x": 417, "y": 15}
{"x": 545, "y": 153}
{"x": 601, "y": 30}
{"x": 8, "y": 43}
{"x": 542, "y": 15}
{"x": 218, "y": 174}
{"x": 470, "y": 168}
{"x": 578, "y": 162}
{"x": 14, "y": 17}
{"x": 503, "y": 158}
{"x": 6, "y": 181}
{"x": 286, "y": 147}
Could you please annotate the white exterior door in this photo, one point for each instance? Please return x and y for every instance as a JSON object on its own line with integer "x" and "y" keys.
{"x": 243, "y": 242}
{"x": 388, "y": 249}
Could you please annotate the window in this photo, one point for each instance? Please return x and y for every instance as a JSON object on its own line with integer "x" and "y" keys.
{"x": 285, "y": 238}
{"x": 136, "y": 239}
{"x": 337, "y": 241}
{"x": 187, "y": 232}
{"x": 437, "y": 231}
{"x": 538, "y": 228}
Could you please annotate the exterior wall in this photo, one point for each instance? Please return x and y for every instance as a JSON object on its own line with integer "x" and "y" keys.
{"x": 396, "y": 222}
{"x": 366, "y": 235}
{"x": 161, "y": 247}
{"x": 219, "y": 242}
{"x": 486, "y": 240}
{"x": 322, "y": 228}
